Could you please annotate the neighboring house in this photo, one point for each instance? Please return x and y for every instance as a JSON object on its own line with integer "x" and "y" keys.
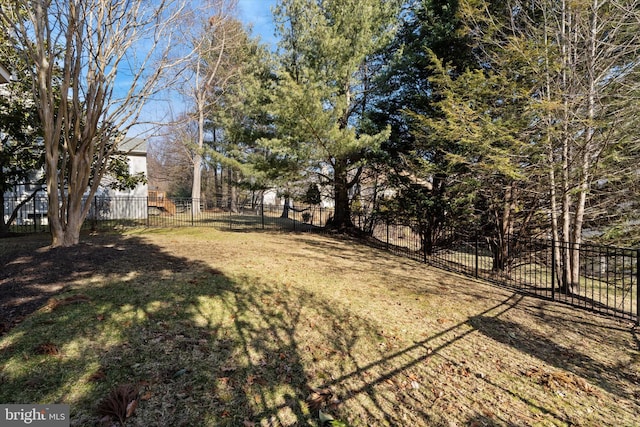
{"x": 136, "y": 151}
{"x": 111, "y": 204}
{"x": 130, "y": 203}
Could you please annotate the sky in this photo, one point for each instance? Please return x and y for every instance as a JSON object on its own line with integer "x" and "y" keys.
{"x": 254, "y": 13}
{"x": 257, "y": 13}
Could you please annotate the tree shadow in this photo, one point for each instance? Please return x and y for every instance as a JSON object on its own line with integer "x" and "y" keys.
{"x": 193, "y": 364}
{"x": 609, "y": 377}
{"x": 200, "y": 347}
{"x": 33, "y": 272}
{"x": 205, "y": 348}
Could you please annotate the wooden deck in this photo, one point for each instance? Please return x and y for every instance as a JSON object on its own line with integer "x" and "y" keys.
{"x": 158, "y": 199}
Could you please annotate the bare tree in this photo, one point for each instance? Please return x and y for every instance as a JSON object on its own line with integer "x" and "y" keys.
{"x": 214, "y": 37}
{"x": 169, "y": 161}
{"x": 582, "y": 59}
{"x": 107, "y": 58}
{"x": 598, "y": 42}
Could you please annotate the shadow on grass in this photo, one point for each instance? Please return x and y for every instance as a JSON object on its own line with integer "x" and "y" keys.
{"x": 202, "y": 348}
{"x": 568, "y": 358}
{"x": 208, "y": 349}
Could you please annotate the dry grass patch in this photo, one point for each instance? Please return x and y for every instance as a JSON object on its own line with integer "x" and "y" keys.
{"x": 247, "y": 329}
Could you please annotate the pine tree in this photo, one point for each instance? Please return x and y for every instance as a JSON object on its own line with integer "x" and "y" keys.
{"x": 328, "y": 53}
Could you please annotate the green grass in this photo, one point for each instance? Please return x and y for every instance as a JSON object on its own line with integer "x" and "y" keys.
{"x": 229, "y": 329}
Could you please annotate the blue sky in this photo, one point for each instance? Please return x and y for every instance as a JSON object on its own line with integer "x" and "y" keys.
{"x": 258, "y": 14}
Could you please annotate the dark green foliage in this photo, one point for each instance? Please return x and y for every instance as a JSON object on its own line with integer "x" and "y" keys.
{"x": 312, "y": 195}
{"x": 21, "y": 153}
{"x": 122, "y": 178}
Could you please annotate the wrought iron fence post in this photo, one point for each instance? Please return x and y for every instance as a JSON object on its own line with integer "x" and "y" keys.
{"x": 553, "y": 269}
{"x": 35, "y": 225}
{"x": 193, "y": 201}
{"x": 477, "y": 258}
{"x": 424, "y": 247}
{"x": 387, "y": 223}
{"x": 262, "y": 211}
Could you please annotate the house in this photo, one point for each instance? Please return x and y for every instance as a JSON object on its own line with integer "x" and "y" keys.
{"x": 135, "y": 149}
{"x": 111, "y": 203}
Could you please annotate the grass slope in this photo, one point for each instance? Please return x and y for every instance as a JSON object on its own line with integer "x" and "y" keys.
{"x": 215, "y": 328}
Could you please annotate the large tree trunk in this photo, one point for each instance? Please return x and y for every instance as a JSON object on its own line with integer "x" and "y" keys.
{"x": 196, "y": 184}
{"x": 285, "y": 207}
{"x": 342, "y": 213}
{"x": 196, "y": 188}
{"x": 4, "y": 226}
{"x": 74, "y": 56}
{"x": 234, "y": 194}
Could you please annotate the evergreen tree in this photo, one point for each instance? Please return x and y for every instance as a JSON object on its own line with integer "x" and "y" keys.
{"x": 328, "y": 49}
{"x": 415, "y": 166}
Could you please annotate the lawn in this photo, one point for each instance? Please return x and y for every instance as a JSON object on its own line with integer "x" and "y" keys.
{"x": 199, "y": 327}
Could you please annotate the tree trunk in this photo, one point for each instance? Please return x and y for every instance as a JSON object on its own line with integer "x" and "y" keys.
{"x": 342, "y": 213}
{"x": 4, "y": 227}
{"x": 196, "y": 188}
{"x": 196, "y": 184}
{"x": 285, "y": 208}
{"x": 232, "y": 196}
{"x": 217, "y": 187}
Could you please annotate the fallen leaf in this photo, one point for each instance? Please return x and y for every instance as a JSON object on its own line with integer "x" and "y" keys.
{"x": 324, "y": 417}
{"x": 131, "y": 407}
{"x": 318, "y": 398}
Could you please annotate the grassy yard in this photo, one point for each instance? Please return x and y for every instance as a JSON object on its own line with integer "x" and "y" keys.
{"x": 198, "y": 327}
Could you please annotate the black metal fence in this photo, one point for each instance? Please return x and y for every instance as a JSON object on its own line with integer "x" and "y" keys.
{"x": 608, "y": 276}
{"x": 119, "y": 212}
{"x": 608, "y": 281}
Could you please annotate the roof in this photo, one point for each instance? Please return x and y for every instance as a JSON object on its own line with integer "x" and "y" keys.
{"x": 5, "y": 75}
{"x": 133, "y": 146}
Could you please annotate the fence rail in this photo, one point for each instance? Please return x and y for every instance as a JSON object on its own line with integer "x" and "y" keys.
{"x": 113, "y": 212}
{"x": 608, "y": 276}
{"x": 608, "y": 282}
